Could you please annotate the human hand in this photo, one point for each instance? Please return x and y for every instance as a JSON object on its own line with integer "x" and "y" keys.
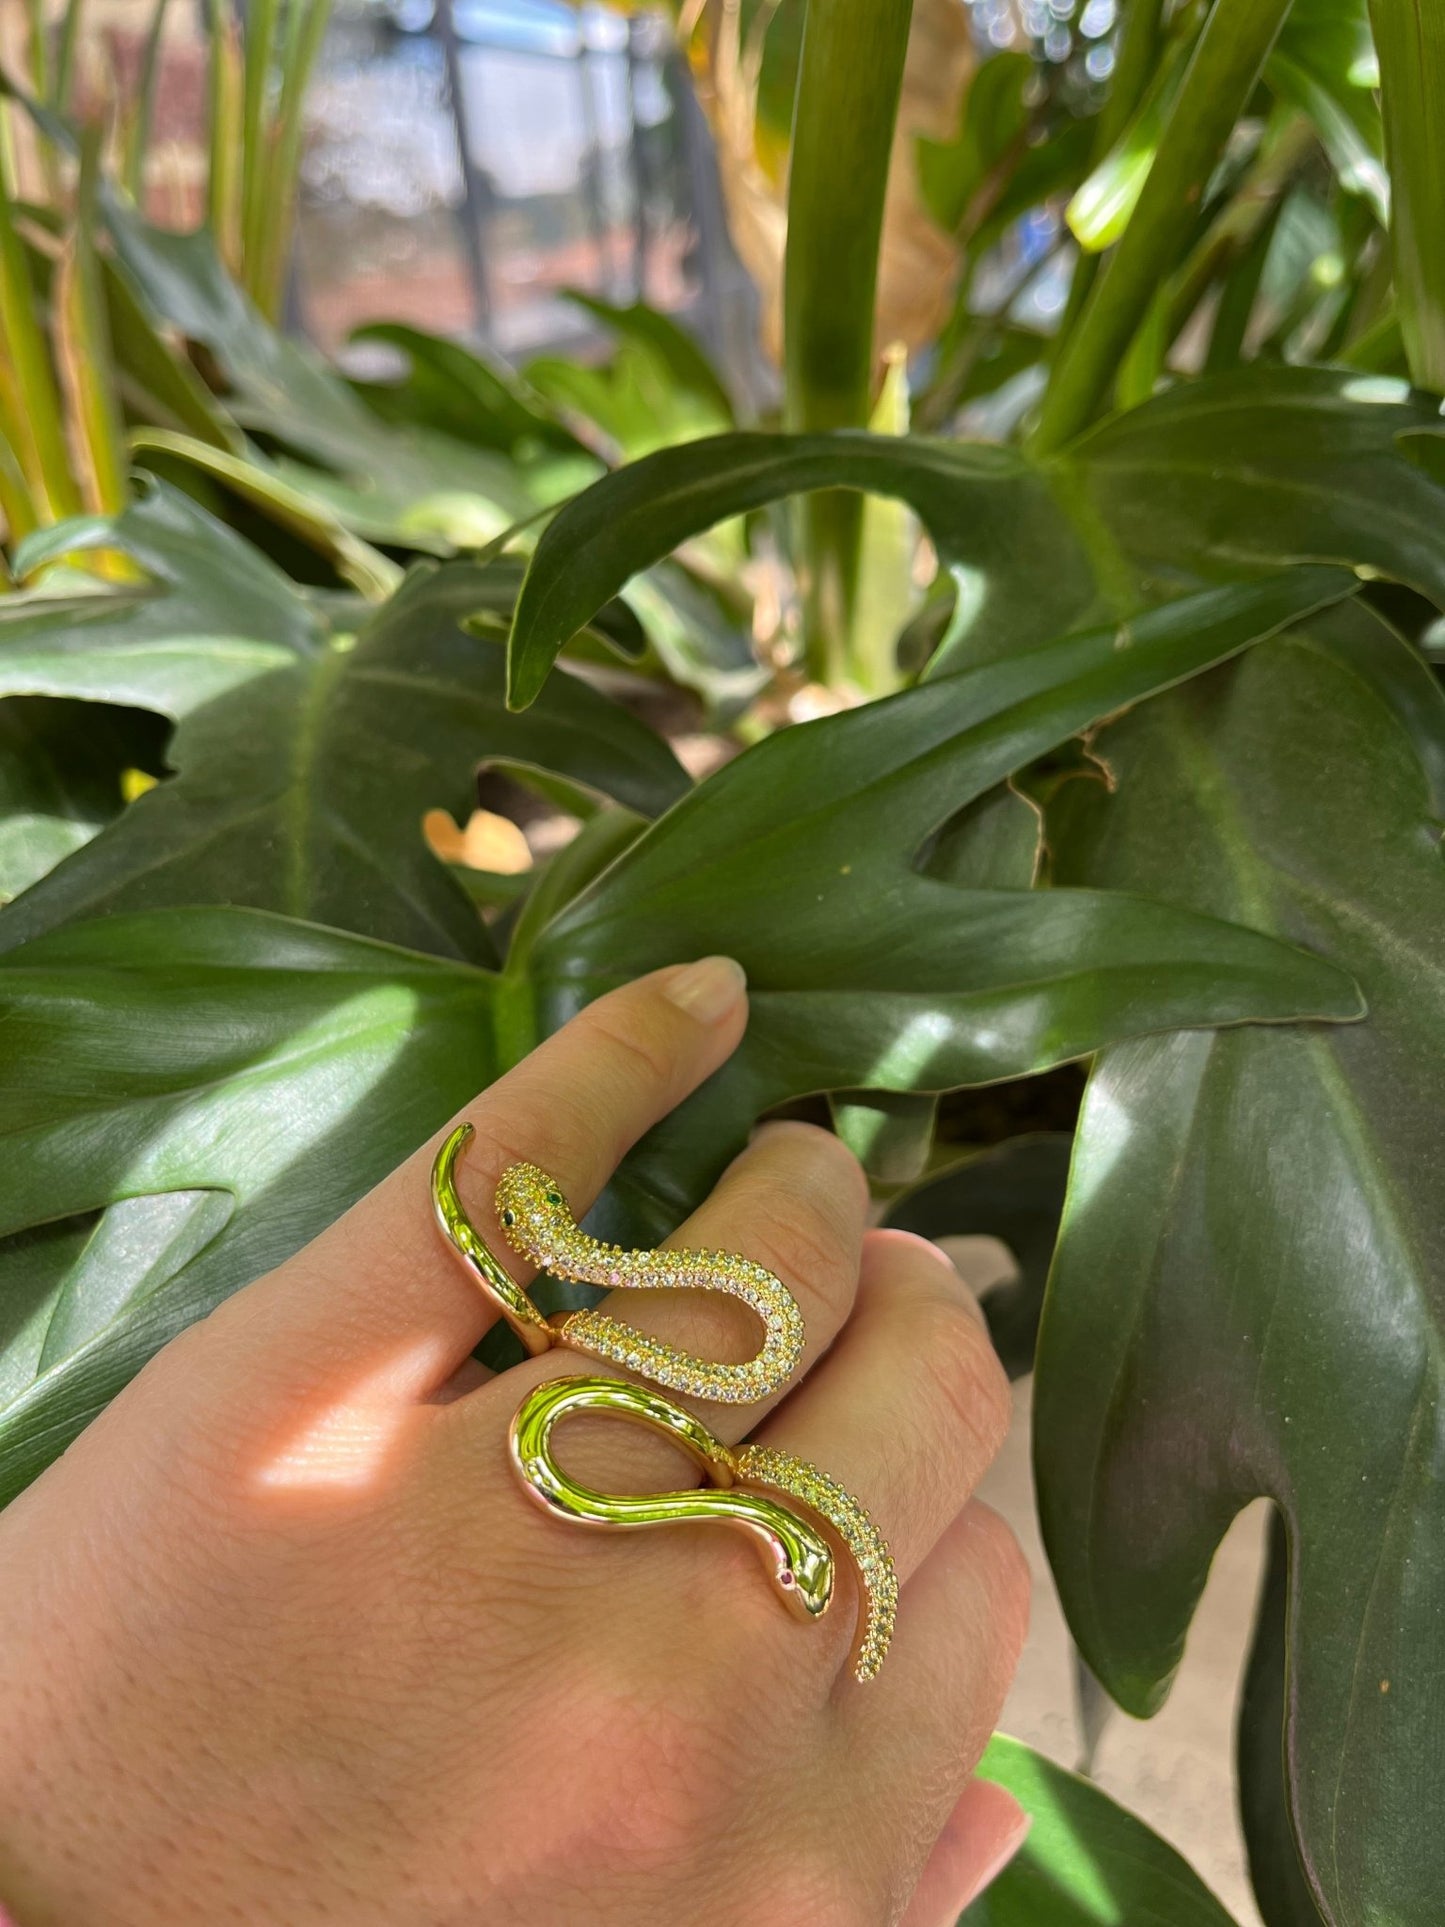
{"x": 283, "y": 1640}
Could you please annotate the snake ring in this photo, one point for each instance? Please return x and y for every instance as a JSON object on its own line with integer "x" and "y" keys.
{"x": 798, "y": 1558}
{"x": 538, "y": 1224}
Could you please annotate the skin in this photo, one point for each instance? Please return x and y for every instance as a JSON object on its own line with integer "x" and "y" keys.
{"x": 281, "y": 1640}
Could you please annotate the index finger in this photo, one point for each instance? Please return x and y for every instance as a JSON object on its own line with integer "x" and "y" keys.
{"x": 383, "y": 1273}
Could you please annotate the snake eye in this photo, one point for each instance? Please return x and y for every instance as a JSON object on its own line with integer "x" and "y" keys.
{"x": 554, "y": 1197}
{"x": 509, "y": 1218}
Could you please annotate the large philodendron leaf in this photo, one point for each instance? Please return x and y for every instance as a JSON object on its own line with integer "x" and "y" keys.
{"x": 227, "y": 1083}
{"x": 1279, "y": 1883}
{"x": 1247, "y": 1297}
{"x": 61, "y": 771}
{"x": 194, "y": 1052}
{"x": 799, "y": 858}
{"x": 307, "y": 751}
{"x": 1211, "y": 479}
{"x": 984, "y": 507}
{"x": 1013, "y": 1192}
{"x": 1086, "y": 1862}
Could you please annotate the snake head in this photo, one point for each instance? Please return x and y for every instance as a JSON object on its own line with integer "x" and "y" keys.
{"x": 533, "y": 1212}
{"x": 804, "y": 1571}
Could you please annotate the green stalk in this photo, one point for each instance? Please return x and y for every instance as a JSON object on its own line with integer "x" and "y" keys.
{"x": 1410, "y": 40}
{"x": 223, "y": 181}
{"x": 355, "y": 561}
{"x": 1227, "y": 61}
{"x": 1139, "y": 43}
{"x": 849, "y": 80}
{"x": 81, "y": 334}
{"x": 38, "y": 434}
{"x": 260, "y": 54}
{"x": 65, "y": 56}
{"x": 140, "y": 131}
{"x": 39, "y": 48}
{"x": 306, "y": 29}
{"x": 17, "y": 504}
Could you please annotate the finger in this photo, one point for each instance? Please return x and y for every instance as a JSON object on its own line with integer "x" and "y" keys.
{"x": 383, "y": 1276}
{"x": 923, "y": 1723}
{"x": 982, "y": 1834}
{"x": 794, "y": 1200}
{"x": 911, "y": 1405}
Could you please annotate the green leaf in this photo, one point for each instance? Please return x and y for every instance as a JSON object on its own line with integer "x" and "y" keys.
{"x": 1223, "y": 69}
{"x": 670, "y": 345}
{"x": 1280, "y": 1887}
{"x": 1324, "y": 64}
{"x": 634, "y": 399}
{"x": 355, "y": 561}
{"x": 798, "y": 858}
{"x": 1086, "y": 1862}
{"x": 1014, "y": 1192}
{"x": 1248, "y": 470}
{"x": 993, "y": 121}
{"x": 1246, "y": 1297}
{"x": 286, "y": 725}
{"x": 1261, "y": 466}
{"x": 411, "y": 486}
{"x": 60, "y": 779}
{"x": 1410, "y": 36}
{"x": 1100, "y": 209}
{"x": 983, "y": 504}
{"x": 200, "y": 1073}
{"x": 221, "y": 1050}
{"x": 460, "y": 392}
{"x": 889, "y": 1132}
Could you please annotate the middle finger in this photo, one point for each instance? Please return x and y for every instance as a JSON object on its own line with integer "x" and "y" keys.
{"x": 795, "y": 1200}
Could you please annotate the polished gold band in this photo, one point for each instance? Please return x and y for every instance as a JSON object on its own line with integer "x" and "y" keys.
{"x": 798, "y": 1557}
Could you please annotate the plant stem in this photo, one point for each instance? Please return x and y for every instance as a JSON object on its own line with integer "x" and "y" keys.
{"x": 1226, "y": 64}
{"x": 223, "y": 185}
{"x": 849, "y": 81}
{"x": 81, "y": 333}
{"x": 140, "y": 130}
{"x": 1140, "y": 39}
{"x": 262, "y": 19}
{"x": 65, "y": 56}
{"x": 1410, "y": 40}
{"x": 306, "y": 30}
{"x": 37, "y": 435}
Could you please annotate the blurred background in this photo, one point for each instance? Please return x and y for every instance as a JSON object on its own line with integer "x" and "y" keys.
{"x": 466, "y": 164}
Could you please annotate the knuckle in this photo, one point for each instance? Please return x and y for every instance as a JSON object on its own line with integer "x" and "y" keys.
{"x": 560, "y": 1143}
{"x": 639, "y": 1053}
{"x": 821, "y": 1888}
{"x": 806, "y": 1248}
{"x": 953, "y": 1349}
{"x": 822, "y": 1151}
{"x": 1008, "y": 1578}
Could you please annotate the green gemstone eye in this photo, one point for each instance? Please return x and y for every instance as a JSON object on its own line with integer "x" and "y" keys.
{"x": 509, "y": 1218}
{"x": 554, "y": 1197}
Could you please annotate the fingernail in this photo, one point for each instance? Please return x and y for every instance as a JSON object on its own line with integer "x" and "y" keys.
{"x": 1000, "y": 1860}
{"x": 707, "y": 989}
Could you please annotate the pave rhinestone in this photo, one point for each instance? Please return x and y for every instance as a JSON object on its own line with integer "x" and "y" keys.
{"x": 764, "y": 1466}
{"x": 545, "y": 1232}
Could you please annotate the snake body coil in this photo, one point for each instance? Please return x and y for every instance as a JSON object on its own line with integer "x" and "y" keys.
{"x": 536, "y": 1219}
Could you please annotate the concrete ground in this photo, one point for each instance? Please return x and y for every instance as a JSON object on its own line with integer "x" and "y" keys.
{"x": 1176, "y": 1770}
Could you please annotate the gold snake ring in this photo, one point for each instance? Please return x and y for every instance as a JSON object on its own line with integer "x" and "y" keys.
{"x": 537, "y": 1222}
{"x": 798, "y": 1558}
